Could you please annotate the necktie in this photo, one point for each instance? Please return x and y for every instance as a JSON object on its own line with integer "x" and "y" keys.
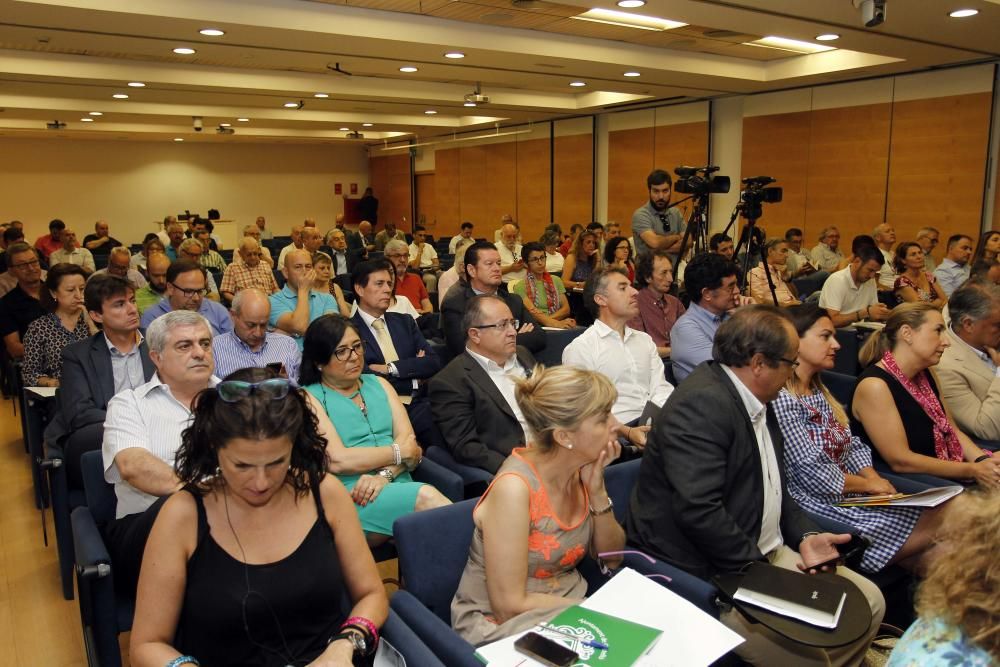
{"x": 385, "y": 341}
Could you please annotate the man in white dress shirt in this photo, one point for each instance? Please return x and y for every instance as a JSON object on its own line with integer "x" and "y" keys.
{"x": 511, "y": 262}
{"x": 142, "y": 433}
{"x": 627, "y": 357}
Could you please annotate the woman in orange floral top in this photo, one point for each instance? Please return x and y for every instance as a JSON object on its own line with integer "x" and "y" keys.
{"x": 545, "y": 510}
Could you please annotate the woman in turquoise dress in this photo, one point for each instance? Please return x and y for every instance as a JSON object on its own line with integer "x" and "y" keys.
{"x": 370, "y": 442}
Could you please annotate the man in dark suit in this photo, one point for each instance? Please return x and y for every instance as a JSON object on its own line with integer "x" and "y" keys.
{"x": 711, "y": 495}
{"x": 473, "y": 397}
{"x": 344, "y": 258}
{"x": 394, "y": 346}
{"x": 483, "y": 276}
{"x": 95, "y": 369}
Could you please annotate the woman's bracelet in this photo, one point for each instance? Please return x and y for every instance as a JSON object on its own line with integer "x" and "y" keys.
{"x": 397, "y": 456}
{"x": 366, "y": 627}
{"x": 986, "y": 455}
{"x": 183, "y": 660}
{"x": 593, "y": 512}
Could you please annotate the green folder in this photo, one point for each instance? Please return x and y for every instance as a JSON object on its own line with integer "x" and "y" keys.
{"x": 626, "y": 641}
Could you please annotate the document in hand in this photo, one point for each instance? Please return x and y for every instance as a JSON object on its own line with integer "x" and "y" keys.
{"x": 927, "y": 498}
{"x": 800, "y": 596}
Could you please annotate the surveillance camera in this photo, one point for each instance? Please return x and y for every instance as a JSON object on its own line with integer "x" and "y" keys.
{"x": 872, "y": 12}
{"x": 196, "y": 121}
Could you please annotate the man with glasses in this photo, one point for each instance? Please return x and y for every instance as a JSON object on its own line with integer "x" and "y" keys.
{"x": 483, "y": 276}
{"x": 826, "y": 256}
{"x": 156, "y": 268}
{"x": 710, "y": 282}
{"x": 711, "y": 495}
{"x": 120, "y": 264}
{"x": 388, "y": 234}
{"x": 927, "y": 239}
{"x": 511, "y": 261}
{"x": 11, "y": 235}
{"x": 186, "y": 291}
{"x": 252, "y": 231}
{"x": 297, "y": 305}
{"x": 142, "y": 433}
{"x": 193, "y": 251}
{"x": 424, "y": 258}
{"x": 250, "y": 272}
{"x": 250, "y": 344}
{"x": 175, "y": 236}
{"x": 407, "y": 284}
{"x": 21, "y": 306}
{"x": 472, "y": 399}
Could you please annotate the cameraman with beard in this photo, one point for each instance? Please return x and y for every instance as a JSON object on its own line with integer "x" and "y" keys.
{"x": 657, "y": 225}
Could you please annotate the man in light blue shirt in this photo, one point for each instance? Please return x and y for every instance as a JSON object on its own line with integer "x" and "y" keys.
{"x": 710, "y": 281}
{"x": 296, "y": 306}
{"x": 186, "y": 291}
{"x": 954, "y": 268}
{"x": 250, "y": 344}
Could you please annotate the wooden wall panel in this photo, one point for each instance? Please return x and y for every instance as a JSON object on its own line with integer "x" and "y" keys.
{"x": 848, "y": 165}
{"x": 573, "y": 174}
{"x": 447, "y": 174}
{"x": 937, "y": 162}
{"x": 390, "y": 180}
{"x": 996, "y": 200}
{"x": 673, "y": 146}
{"x": 778, "y": 146}
{"x": 533, "y": 187}
{"x": 630, "y": 159}
{"x": 426, "y": 195}
{"x": 499, "y": 188}
{"x": 472, "y": 183}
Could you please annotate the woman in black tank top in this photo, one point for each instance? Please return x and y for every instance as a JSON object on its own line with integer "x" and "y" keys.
{"x": 260, "y": 559}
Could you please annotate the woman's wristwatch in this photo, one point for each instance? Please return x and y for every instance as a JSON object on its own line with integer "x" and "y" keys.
{"x": 387, "y": 474}
{"x": 356, "y": 638}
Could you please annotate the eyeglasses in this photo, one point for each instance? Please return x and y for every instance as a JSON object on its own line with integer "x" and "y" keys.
{"x": 396, "y": 255}
{"x": 233, "y": 390}
{"x": 791, "y": 362}
{"x": 32, "y": 264}
{"x": 190, "y": 293}
{"x": 502, "y": 324}
{"x": 536, "y": 260}
{"x": 344, "y": 353}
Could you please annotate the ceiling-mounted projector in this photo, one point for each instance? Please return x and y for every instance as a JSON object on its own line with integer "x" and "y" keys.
{"x": 354, "y": 134}
{"x": 477, "y": 98}
{"x": 55, "y": 125}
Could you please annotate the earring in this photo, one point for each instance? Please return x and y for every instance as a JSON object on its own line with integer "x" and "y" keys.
{"x": 569, "y": 445}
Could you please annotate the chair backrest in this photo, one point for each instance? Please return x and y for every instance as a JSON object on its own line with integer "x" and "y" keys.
{"x": 101, "y": 498}
{"x": 433, "y": 548}
{"x": 555, "y": 343}
{"x": 619, "y": 480}
{"x": 840, "y": 385}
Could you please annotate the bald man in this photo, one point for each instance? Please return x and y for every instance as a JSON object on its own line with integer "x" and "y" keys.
{"x": 296, "y": 244}
{"x": 250, "y": 344}
{"x": 100, "y": 240}
{"x": 367, "y": 238}
{"x": 250, "y": 273}
{"x": 156, "y": 269}
{"x": 511, "y": 262}
{"x": 253, "y": 231}
{"x": 885, "y": 238}
{"x": 294, "y": 307}
{"x": 71, "y": 253}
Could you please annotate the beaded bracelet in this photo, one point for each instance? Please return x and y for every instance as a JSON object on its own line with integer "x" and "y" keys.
{"x": 183, "y": 660}
{"x": 363, "y": 623}
{"x": 397, "y": 456}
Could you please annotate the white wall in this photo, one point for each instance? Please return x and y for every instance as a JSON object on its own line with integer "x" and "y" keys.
{"x": 132, "y": 184}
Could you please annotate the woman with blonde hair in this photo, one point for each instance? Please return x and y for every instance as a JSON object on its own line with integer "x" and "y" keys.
{"x": 897, "y": 407}
{"x": 323, "y": 265}
{"x": 825, "y": 463}
{"x": 545, "y": 510}
{"x": 957, "y": 604}
{"x": 581, "y": 260}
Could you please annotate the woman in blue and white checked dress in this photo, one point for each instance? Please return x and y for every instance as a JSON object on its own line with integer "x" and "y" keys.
{"x": 824, "y": 463}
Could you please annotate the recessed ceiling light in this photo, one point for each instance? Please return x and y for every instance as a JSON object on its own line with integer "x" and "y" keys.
{"x": 225, "y": 124}
{"x": 345, "y": 129}
{"x": 184, "y": 51}
{"x": 628, "y": 20}
{"x": 631, "y": 4}
{"x": 408, "y": 69}
{"x": 454, "y": 55}
{"x": 963, "y": 13}
{"x": 827, "y": 37}
{"x": 120, "y": 96}
{"x": 136, "y": 84}
{"x": 430, "y": 112}
{"x": 366, "y": 124}
{"x": 87, "y": 120}
{"x": 321, "y": 95}
{"x": 178, "y": 139}
{"x": 243, "y": 120}
{"x": 96, "y": 113}
{"x": 469, "y": 104}
{"x": 291, "y": 105}
{"x": 793, "y": 45}
{"x": 212, "y": 32}
{"x": 577, "y": 84}
{"x": 632, "y": 74}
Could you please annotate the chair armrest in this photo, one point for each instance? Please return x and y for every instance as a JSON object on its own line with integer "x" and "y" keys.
{"x": 905, "y": 484}
{"x": 469, "y": 474}
{"x": 696, "y": 591}
{"x": 451, "y": 649}
{"x": 92, "y": 558}
{"x": 444, "y": 480}
{"x": 403, "y": 639}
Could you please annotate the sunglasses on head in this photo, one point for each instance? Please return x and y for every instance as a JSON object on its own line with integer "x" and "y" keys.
{"x": 233, "y": 390}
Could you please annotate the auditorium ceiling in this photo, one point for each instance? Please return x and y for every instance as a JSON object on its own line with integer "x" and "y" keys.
{"x": 331, "y": 70}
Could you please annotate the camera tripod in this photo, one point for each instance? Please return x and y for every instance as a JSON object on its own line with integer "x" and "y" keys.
{"x": 749, "y": 238}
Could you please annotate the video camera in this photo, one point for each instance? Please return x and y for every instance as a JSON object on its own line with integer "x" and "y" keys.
{"x": 699, "y": 181}
{"x": 756, "y": 193}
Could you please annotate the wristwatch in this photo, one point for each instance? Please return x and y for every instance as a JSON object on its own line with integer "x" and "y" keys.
{"x": 385, "y": 472}
{"x": 357, "y": 641}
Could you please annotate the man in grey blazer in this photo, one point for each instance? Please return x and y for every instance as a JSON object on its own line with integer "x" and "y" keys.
{"x": 711, "y": 495}
{"x": 95, "y": 369}
{"x": 472, "y": 399}
{"x": 968, "y": 371}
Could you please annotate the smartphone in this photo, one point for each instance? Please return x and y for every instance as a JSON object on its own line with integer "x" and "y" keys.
{"x": 276, "y": 366}
{"x": 845, "y": 551}
{"x": 545, "y": 650}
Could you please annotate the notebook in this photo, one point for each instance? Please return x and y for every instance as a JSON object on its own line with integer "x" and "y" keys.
{"x": 927, "y": 498}
{"x": 811, "y": 599}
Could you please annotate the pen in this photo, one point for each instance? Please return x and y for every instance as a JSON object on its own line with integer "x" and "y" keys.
{"x": 585, "y": 642}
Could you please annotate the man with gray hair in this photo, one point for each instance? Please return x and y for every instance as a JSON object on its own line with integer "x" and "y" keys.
{"x": 193, "y": 249}
{"x": 826, "y": 256}
{"x": 885, "y": 238}
{"x": 252, "y": 231}
{"x": 120, "y": 264}
{"x": 142, "y": 433}
{"x": 250, "y": 272}
{"x": 927, "y": 239}
{"x": 969, "y": 370}
{"x": 408, "y": 284}
{"x": 250, "y": 344}
{"x": 711, "y": 496}
{"x": 296, "y": 244}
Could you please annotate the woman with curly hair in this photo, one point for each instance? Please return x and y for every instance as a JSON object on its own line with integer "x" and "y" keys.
{"x": 260, "y": 559}
{"x": 958, "y": 603}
